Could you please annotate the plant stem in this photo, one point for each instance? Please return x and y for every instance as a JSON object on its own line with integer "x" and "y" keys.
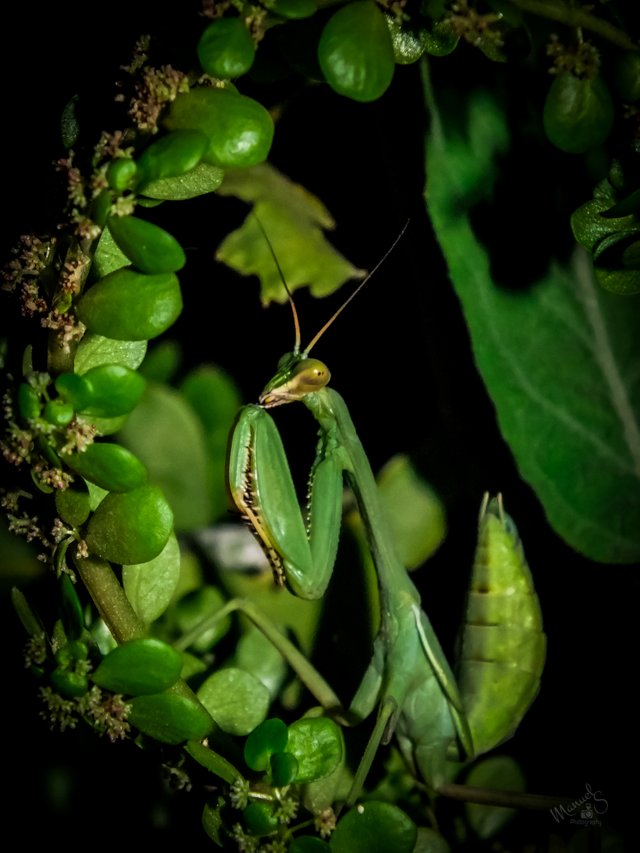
{"x": 575, "y": 16}
{"x": 108, "y": 596}
{"x": 508, "y": 799}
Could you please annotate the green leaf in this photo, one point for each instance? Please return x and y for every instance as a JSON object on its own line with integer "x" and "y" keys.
{"x": 165, "y": 434}
{"x": 502, "y": 773}
{"x": 355, "y": 51}
{"x": 171, "y": 156}
{"x": 149, "y": 247}
{"x": 266, "y": 739}
{"x": 294, "y": 221}
{"x": 131, "y": 306}
{"x": 108, "y": 465}
{"x": 139, "y": 667}
{"x": 95, "y": 350}
{"x": 170, "y": 717}
{"x": 414, "y": 511}
{"x": 132, "y": 527}
{"x": 113, "y": 390}
{"x": 257, "y": 655}
{"x": 430, "y": 841}
{"x": 239, "y": 129}
{"x": 558, "y": 359}
{"x": 108, "y": 257}
{"x": 226, "y": 48}
{"x": 150, "y": 586}
{"x": 374, "y": 827}
{"x": 318, "y": 745}
{"x": 236, "y": 700}
{"x": 30, "y": 620}
{"x": 202, "y": 179}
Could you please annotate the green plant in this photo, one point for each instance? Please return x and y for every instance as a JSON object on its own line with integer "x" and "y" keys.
{"x": 90, "y": 408}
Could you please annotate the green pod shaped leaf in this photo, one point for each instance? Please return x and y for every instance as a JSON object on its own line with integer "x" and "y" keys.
{"x": 121, "y": 174}
{"x": 149, "y": 247}
{"x": 374, "y": 827}
{"x": 172, "y": 155}
{"x": 29, "y": 404}
{"x": 108, "y": 465}
{"x": 68, "y": 683}
{"x": 226, "y": 48}
{"x": 239, "y": 129}
{"x": 318, "y": 745}
{"x": 113, "y": 390}
{"x": 58, "y": 412}
{"x": 73, "y": 505}
{"x": 269, "y": 737}
{"x": 130, "y": 306}
{"x": 75, "y": 389}
{"x": 170, "y": 717}
{"x": 139, "y": 667}
{"x": 132, "y": 527}
{"x": 356, "y": 53}
{"x": 578, "y": 113}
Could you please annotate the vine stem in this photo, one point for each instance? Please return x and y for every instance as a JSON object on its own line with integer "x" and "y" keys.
{"x": 108, "y": 596}
{"x": 574, "y": 16}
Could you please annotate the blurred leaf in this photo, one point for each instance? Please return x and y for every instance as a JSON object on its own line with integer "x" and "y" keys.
{"x": 257, "y": 655}
{"x": 216, "y": 400}
{"x": 236, "y": 700}
{"x": 69, "y": 127}
{"x": 150, "y": 586}
{"x": 502, "y": 773}
{"x": 414, "y": 511}
{"x": 165, "y": 434}
{"x": 559, "y": 359}
{"x": 195, "y": 607}
{"x": 30, "y": 620}
{"x": 162, "y": 362}
{"x": 139, "y": 667}
{"x": 374, "y": 827}
{"x": 293, "y": 220}
{"x": 430, "y": 841}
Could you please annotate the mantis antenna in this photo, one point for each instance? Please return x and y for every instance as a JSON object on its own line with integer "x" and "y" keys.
{"x": 296, "y": 322}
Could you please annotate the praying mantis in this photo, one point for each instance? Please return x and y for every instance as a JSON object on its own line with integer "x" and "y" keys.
{"x": 409, "y": 678}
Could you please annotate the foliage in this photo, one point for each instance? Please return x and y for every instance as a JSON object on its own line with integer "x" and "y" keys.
{"x": 115, "y": 436}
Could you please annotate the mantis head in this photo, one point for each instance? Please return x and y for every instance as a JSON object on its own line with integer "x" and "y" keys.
{"x": 297, "y": 376}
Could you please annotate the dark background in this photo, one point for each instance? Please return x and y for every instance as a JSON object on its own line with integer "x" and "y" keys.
{"x": 400, "y": 356}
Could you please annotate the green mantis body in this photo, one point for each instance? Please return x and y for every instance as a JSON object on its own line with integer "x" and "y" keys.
{"x": 409, "y": 678}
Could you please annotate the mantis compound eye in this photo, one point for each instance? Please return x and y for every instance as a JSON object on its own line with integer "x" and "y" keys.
{"x": 310, "y": 375}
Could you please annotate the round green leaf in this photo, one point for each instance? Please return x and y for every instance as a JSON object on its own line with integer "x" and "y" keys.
{"x": 355, "y": 51}
{"x": 108, "y": 465}
{"x": 259, "y": 818}
{"x": 284, "y": 769}
{"x": 150, "y": 586}
{"x": 239, "y": 129}
{"x": 374, "y": 827}
{"x": 236, "y": 700}
{"x": 148, "y": 247}
{"x": 130, "y": 306}
{"x": 95, "y": 350}
{"x": 578, "y": 113}
{"x": 308, "y": 844}
{"x": 58, "y": 412}
{"x": 73, "y": 505}
{"x": 269, "y": 737}
{"x": 226, "y": 48}
{"x": 132, "y": 527}
{"x": 170, "y": 717}
{"x": 171, "y": 155}
{"x": 68, "y": 683}
{"x": 139, "y": 667}
{"x": 409, "y": 42}
{"x": 112, "y": 390}
{"x": 74, "y": 389}
{"x": 317, "y": 744}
